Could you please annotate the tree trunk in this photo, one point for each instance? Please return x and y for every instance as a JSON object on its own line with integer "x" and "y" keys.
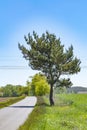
{"x": 51, "y": 96}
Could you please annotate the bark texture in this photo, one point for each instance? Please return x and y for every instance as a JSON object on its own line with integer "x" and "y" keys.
{"x": 51, "y": 96}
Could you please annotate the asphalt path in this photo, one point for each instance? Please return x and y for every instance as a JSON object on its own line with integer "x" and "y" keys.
{"x": 15, "y": 115}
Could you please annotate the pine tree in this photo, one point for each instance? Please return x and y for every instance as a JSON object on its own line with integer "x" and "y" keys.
{"x": 46, "y": 54}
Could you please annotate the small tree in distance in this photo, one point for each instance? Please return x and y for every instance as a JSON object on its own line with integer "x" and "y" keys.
{"x": 46, "y": 54}
{"x": 39, "y": 85}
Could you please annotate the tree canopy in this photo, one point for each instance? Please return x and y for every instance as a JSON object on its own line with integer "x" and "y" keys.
{"x": 39, "y": 85}
{"x": 46, "y": 54}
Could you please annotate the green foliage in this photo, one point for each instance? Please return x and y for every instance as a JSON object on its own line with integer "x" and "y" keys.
{"x": 13, "y": 90}
{"x": 46, "y": 54}
{"x": 1, "y": 91}
{"x": 59, "y": 90}
{"x": 39, "y": 85}
{"x": 64, "y": 83}
{"x": 7, "y": 92}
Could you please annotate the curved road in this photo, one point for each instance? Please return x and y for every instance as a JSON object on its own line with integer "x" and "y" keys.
{"x": 13, "y": 116}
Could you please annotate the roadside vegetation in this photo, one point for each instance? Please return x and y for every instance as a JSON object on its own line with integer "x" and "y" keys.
{"x": 47, "y": 55}
{"x": 4, "y": 102}
{"x": 69, "y": 113}
{"x": 37, "y": 87}
{"x": 13, "y": 90}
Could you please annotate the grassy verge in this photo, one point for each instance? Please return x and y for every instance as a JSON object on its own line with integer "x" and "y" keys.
{"x": 10, "y": 101}
{"x": 35, "y": 118}
{"x": 69, "y": 113}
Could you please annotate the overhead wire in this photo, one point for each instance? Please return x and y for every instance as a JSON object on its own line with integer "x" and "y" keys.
{"x": 15, "y": 59}
{"x": 14, "y": 67}
{"x": 24, "y": 67}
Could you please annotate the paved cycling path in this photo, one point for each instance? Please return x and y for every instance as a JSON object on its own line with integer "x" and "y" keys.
{"x": 13, "y": 116}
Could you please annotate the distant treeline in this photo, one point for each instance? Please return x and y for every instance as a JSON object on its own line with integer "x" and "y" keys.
{"x": 13, "y": 90}
{"x": 77, "y": 89}
{"x": 74, "y": 89}
{"x": 37, "y": 87}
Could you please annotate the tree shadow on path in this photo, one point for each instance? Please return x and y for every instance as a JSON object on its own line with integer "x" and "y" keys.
{"x": 21, "y": 106}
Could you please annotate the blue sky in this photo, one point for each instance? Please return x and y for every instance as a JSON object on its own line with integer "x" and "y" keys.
{"x": 66, "y": 18}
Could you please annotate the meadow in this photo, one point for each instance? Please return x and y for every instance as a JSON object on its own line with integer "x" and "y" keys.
{"x": 69, "y": 113}
{"x": 6, "y": 101}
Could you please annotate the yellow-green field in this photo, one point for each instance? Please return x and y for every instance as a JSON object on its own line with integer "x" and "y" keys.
{"x": 4, "y": 102}
{"x": 3, "y": 99}
{"x": 69, "y": 113}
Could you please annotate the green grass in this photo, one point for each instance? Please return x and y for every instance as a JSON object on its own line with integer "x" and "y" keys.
{"x": 10, "y": 101}
{"x": 69, "y": 113}
{"x": 32, "y": 123}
